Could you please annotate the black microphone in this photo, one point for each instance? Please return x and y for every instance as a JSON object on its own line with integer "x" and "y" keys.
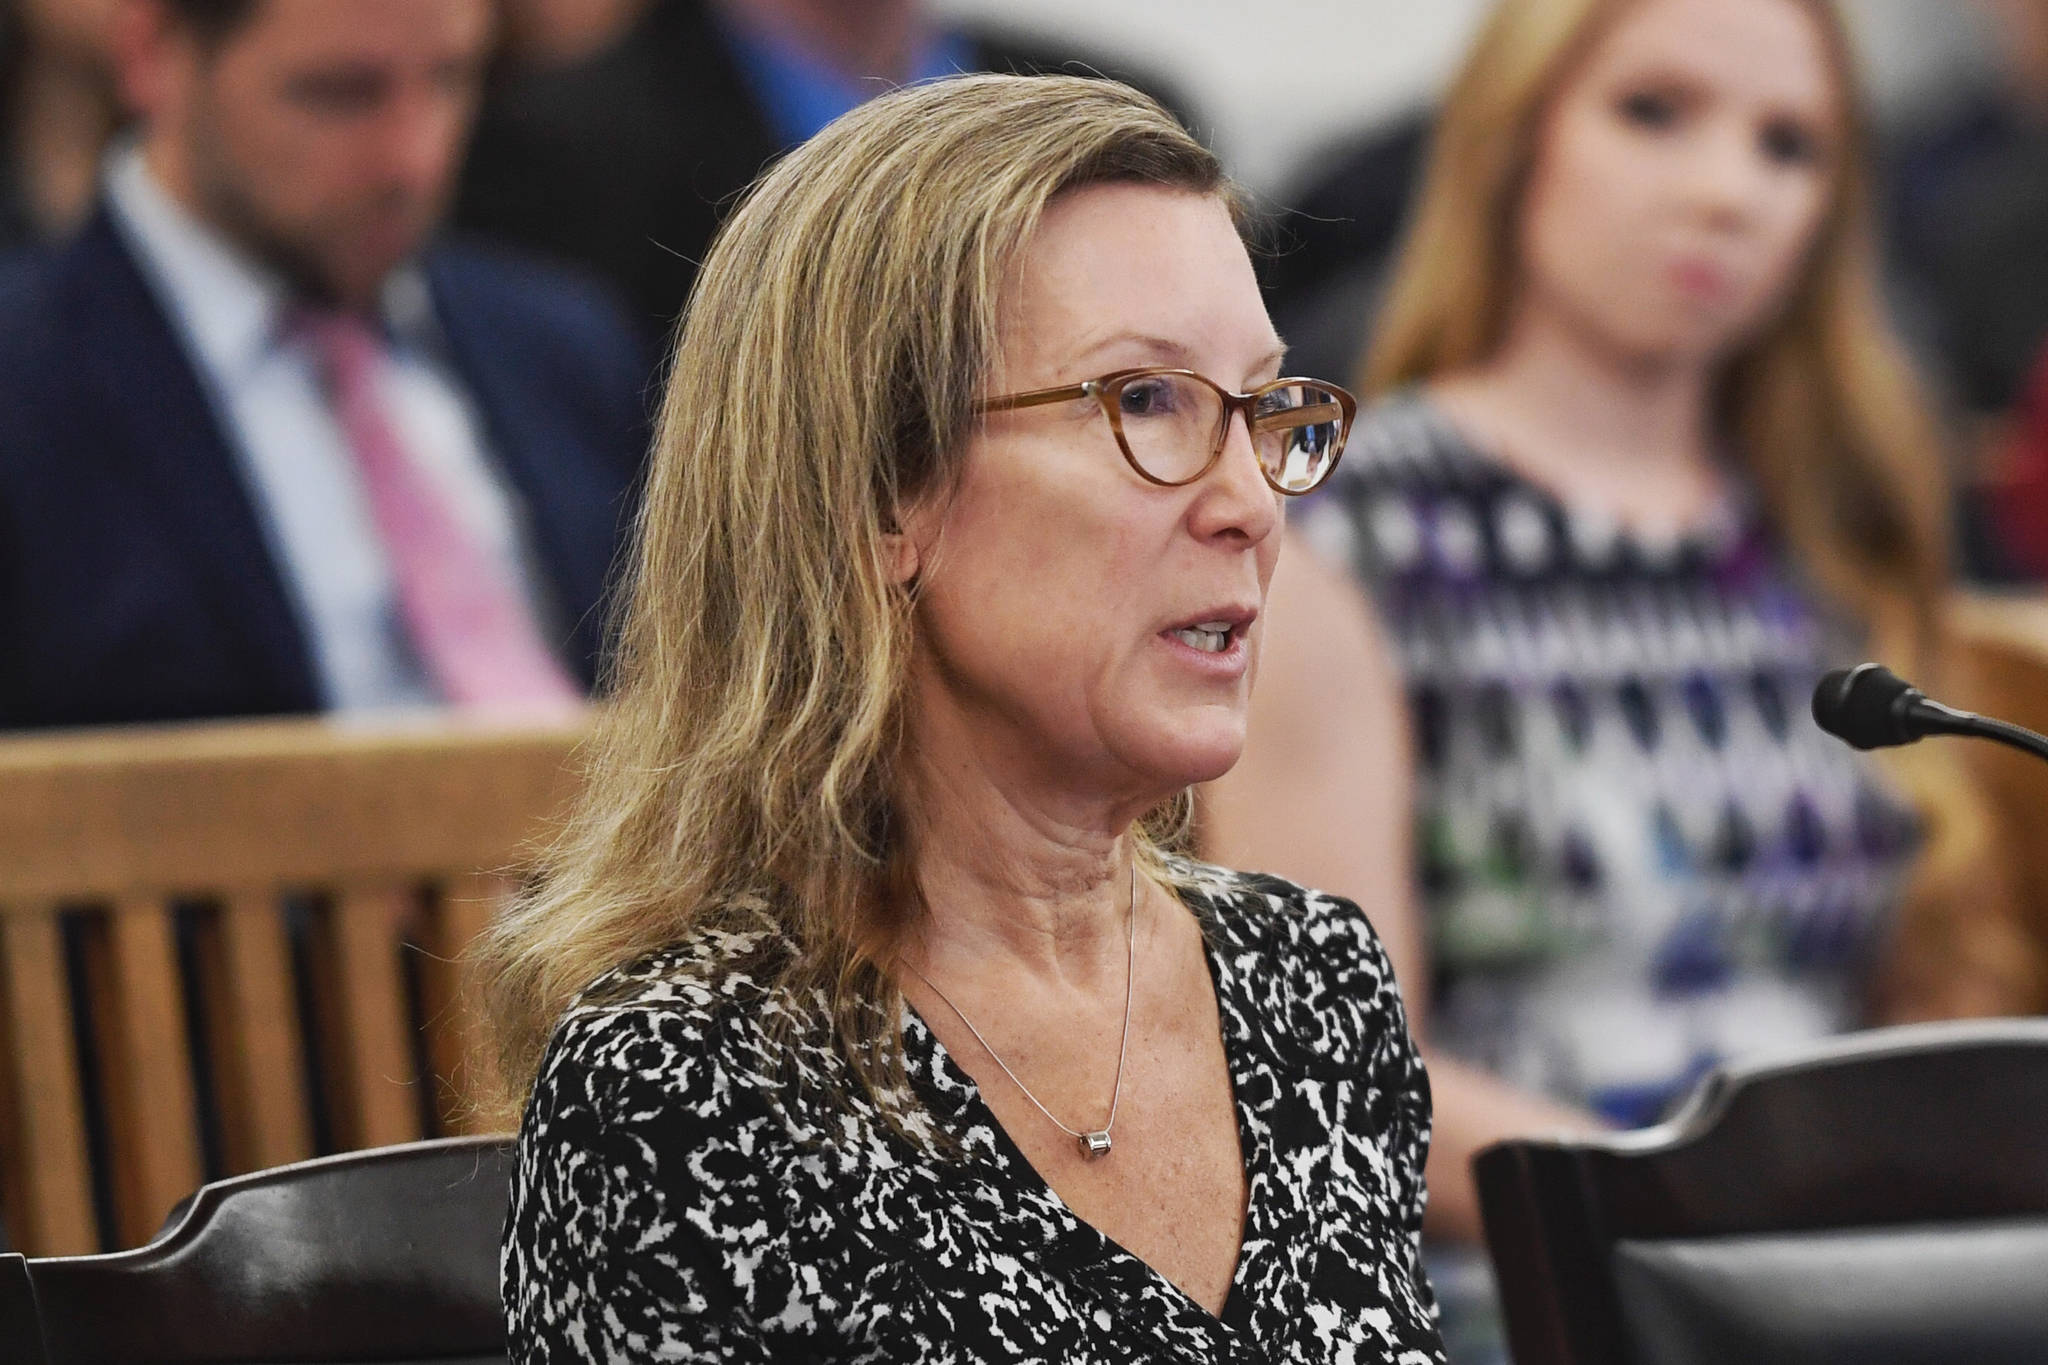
{"x": 1871, "y": 707}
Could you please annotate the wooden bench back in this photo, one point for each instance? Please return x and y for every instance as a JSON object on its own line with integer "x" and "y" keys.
{"x": 2004, "y": 642}
{"x": 200, "y": 902}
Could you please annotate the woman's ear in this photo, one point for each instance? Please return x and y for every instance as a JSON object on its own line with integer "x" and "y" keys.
{"x": 901, "y": 555}
{"x": 910, "y": 537}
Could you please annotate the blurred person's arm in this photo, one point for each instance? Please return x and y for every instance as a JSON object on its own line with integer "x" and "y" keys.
{"x": 1471, "y": 1110}
{"x": 1323, "y": 796}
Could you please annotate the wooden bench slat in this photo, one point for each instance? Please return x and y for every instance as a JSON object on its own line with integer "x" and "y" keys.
{"x": 369, "y": 930}
{"x": 456, "y": 1033}
{"x": 50, "y": 1180}
{"x": 153, "y": 1114}
{"x": 261, "y": 1057}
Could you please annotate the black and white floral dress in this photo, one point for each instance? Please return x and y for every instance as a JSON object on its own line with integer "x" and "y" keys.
{"x": 683, "y": 1195}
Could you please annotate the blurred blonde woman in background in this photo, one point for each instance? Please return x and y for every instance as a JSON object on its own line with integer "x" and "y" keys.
{"x": 860, "y": 1015}
{"x": 1647, "y": 462}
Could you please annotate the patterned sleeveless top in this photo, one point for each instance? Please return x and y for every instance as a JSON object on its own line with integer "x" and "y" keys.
{"x": 1638, "y": 854}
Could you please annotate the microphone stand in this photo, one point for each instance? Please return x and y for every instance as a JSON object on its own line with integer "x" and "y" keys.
{"x": 1972, "y": 725}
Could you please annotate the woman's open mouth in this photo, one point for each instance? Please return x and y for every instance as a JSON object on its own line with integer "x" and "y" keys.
{"x": 1211, "y": 637}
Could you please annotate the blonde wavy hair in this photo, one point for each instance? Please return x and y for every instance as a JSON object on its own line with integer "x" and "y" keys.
{"x": 1823, "y": 406}
{"x": 746, "y": 766}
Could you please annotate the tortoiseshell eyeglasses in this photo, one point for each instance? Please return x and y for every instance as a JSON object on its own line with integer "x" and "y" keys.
{"x": 1172, "y": 424}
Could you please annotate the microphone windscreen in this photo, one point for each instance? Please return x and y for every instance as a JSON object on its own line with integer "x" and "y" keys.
{"x": 1860, "y": 705}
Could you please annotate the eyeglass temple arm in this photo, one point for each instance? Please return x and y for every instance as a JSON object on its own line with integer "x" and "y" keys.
{"x": 1035, "y": 399}
{"x": 1308, "y": 415}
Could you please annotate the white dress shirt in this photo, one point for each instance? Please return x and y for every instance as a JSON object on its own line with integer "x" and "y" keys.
{"x": 230, "y": 312}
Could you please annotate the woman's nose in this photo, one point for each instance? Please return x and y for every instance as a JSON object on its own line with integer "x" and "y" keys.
{"x": 1727, "y": 175}
{"x": 1233, "y": 498}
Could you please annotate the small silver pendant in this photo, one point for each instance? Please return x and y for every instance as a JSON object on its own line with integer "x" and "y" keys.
{"x": 1093, "y": 1145}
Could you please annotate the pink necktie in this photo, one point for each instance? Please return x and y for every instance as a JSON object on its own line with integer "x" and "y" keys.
{"x": 468, "y": 620}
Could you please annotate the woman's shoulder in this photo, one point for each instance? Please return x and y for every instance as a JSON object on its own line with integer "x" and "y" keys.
{"x": 653, "y": 1178}
{"x": 681, "y": 1027}
{"x": 1305, "y": 966}
{"x": 1260, "y": 907}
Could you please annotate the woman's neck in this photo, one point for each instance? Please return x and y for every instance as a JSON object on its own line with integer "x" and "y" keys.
{"x": 1016, "y": 874}
{"x": 1629, "y": 438}
{"x": 1052, "y": 910}
{"x": 62, "y": 116}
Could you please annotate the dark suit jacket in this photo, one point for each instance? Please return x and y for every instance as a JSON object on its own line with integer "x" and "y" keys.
{"x": 135, "y": 579}
{"x": 626, "y": 163}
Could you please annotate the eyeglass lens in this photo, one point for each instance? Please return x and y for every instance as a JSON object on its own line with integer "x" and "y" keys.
{"x": 1173, "y": 423}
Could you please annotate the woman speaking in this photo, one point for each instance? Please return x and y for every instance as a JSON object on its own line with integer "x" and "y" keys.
{"x": 861, "y": 1013}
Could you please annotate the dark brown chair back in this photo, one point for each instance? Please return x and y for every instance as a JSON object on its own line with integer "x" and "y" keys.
{"x": 379, "y": 1256}
{"x": 1881, "y": 1199}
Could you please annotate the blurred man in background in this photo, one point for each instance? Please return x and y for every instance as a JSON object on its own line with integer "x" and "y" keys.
{"x": 636, "y": 124}
{"x": 262, "y": 448}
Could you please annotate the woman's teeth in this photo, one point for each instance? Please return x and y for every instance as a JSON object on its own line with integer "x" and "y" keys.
{"x": 1210, "y": 639}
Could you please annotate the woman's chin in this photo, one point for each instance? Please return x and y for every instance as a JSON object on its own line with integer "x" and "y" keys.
{"x": 1200, "y": 752}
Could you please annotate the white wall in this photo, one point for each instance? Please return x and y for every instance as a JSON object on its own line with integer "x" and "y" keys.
{"x": 1276, "y": 78}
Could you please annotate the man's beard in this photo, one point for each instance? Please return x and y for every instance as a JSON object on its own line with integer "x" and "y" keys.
{"x": 235, "y": 213}
{"x": 302, "y": 270}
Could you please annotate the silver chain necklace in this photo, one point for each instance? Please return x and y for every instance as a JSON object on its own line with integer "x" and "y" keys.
{"x": 1095, "y": 1144}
